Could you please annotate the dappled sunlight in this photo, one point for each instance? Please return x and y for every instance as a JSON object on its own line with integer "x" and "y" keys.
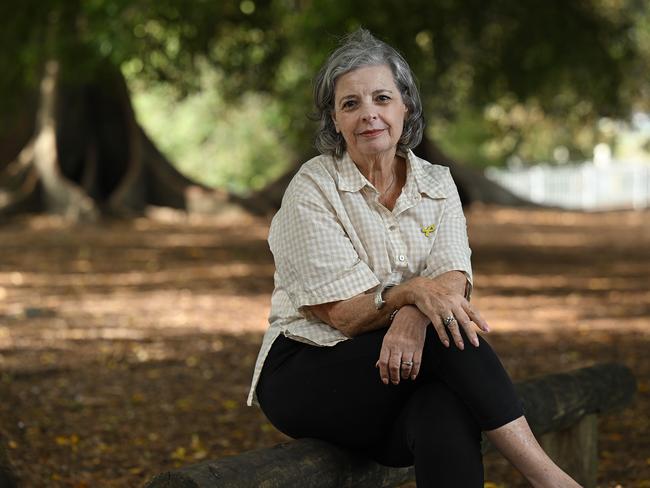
{"x": 547, "y": 270}
{"x": 82, "y": 276}
{"x": 127, "y": 348}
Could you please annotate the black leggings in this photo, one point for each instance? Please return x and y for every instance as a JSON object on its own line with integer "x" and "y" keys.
{"x": 435, "y": 422}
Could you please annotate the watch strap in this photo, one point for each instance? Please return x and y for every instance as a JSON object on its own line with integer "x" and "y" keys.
{"x": 379, "y": 294}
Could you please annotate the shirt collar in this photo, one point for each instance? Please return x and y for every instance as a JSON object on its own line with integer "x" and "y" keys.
{"x": 424, "y": 180}
{"x": 417, "y": 179}
{"x": 349, "y": 176}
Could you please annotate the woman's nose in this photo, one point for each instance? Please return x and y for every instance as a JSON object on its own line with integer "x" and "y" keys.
{"x": 368, "y": 115}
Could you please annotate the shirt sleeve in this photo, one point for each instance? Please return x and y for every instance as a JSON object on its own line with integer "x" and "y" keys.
{"x": 314, "y": 258}
{"x": 450, "y": 250}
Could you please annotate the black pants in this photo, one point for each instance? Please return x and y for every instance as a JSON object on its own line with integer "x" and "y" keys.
{"x": 435, "y": 422}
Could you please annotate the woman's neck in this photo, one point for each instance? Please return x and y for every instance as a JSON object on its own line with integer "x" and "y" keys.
{"x": 386, "y": 172}
{"x": 380, "y": 169}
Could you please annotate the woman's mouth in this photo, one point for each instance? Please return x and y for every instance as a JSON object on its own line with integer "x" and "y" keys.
{"x": 372, "y": 132}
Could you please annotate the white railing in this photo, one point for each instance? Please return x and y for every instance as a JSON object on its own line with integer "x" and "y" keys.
{"x": 583, "y": 186}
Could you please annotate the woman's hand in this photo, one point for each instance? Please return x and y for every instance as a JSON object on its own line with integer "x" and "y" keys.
{"x": 438, "y": 302}
{"x": 401, "y": 351}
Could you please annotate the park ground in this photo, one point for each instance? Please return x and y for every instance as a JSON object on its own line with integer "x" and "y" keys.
{"x": 126, "y": 348}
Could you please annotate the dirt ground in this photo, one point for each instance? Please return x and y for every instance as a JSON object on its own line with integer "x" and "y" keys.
{"x": 126, "y": 348}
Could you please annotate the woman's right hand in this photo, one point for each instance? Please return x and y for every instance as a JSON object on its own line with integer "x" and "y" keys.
{"x": 401, "y": 350}
{"x": 438, "y": 302}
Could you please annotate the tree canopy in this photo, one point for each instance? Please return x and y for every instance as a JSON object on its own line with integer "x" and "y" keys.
{"x": 490, "y": 70}
{"x": 463, "y": 51}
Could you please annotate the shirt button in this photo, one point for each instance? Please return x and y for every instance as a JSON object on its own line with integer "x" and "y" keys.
{"x": 401, "y": 257}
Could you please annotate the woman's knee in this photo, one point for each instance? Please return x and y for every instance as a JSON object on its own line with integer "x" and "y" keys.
{"x": 438, "y": 359}
{"x": 435, "y": 411}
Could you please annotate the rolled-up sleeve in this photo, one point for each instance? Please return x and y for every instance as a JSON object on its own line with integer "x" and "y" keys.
{"x": 450, "y": 250}
{"x": 314, "y": 258}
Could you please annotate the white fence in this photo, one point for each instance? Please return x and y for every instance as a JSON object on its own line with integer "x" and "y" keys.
{"x": 586, "y": 186}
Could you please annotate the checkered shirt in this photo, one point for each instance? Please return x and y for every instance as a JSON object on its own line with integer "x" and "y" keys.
{"x": 332, "y": 240}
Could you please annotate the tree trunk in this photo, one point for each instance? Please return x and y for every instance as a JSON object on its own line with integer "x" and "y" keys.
{"x": 60, "y": 194}
{"x": 88, "y": 156}
{"x": 472, "y": 185}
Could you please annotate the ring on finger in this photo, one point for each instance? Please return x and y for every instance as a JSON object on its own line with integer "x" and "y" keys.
{"x": 408, "y": 364}
{"x": 449, "y": 320}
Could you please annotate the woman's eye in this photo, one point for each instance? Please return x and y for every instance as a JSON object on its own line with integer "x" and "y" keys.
{"x": 383, "y": 98}
{"x": 348, "y": 104}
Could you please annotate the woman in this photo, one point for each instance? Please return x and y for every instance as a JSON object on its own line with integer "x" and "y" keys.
{"x": 372, "y": 342}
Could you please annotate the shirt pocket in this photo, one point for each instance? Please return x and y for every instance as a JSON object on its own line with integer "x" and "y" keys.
{"x": 421, "y": 227}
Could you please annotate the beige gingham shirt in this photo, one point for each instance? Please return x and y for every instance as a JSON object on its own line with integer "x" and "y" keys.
{"x": 332, "y": 240}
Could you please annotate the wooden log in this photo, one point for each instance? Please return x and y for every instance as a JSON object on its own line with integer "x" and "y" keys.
{"x": 575, "y": 450}
{"x": 554, "y": 403}
{"x": 557, "y": 401}
{"x": 306, "y": 463}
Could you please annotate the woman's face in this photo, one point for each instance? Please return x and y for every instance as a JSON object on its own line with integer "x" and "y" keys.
{"x": 368, "y": 110}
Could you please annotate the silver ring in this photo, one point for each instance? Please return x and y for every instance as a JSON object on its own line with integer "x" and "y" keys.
{"x": 449, "y": 320}
{"x": 407, "y": 363}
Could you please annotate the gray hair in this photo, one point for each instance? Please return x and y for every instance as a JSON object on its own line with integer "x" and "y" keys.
{"x": 360, "y": 49}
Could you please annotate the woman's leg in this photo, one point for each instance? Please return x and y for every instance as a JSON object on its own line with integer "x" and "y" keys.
{"x": 335, "y": 394}
{"x": 330, "y": 393}
{"x": 517, "y": 443}
{"x": 476, "y": 375}
{"x": 479, "y": 379}
{"x": 437, "y": 432}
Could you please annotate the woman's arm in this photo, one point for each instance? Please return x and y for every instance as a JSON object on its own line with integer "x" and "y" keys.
{"x": 436, "y": 298}
{"x": 358, "y": 314}
{"x": 420, "y": 302}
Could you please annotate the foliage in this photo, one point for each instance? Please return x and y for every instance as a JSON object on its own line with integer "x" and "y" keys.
{"x": 164, "y": 36}
{"x": 549, "y": 69}
{"x": 508, "y": 129}
{"x": 237, "y": 146}
{"x": 564, "y": 63}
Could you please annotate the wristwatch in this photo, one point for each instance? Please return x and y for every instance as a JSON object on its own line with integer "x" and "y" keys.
{"x": 379, "y": 294}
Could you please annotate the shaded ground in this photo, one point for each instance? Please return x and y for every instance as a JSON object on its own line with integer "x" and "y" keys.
{"x": 126, "y": 349}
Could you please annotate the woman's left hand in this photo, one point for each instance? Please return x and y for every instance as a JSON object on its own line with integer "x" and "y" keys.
{"x": 401, "y": 351}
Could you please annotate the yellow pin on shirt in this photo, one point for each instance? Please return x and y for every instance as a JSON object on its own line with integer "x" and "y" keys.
{"x": 428, "y": 229}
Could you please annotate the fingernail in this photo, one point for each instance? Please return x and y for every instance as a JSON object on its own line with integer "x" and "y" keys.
{"x": 446, "y": 343}
{"x": 461, "y": 346}
{"x": 475, "y": 342}
{"x": 413, "y": 376}
{"x": 385, "y": 381}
